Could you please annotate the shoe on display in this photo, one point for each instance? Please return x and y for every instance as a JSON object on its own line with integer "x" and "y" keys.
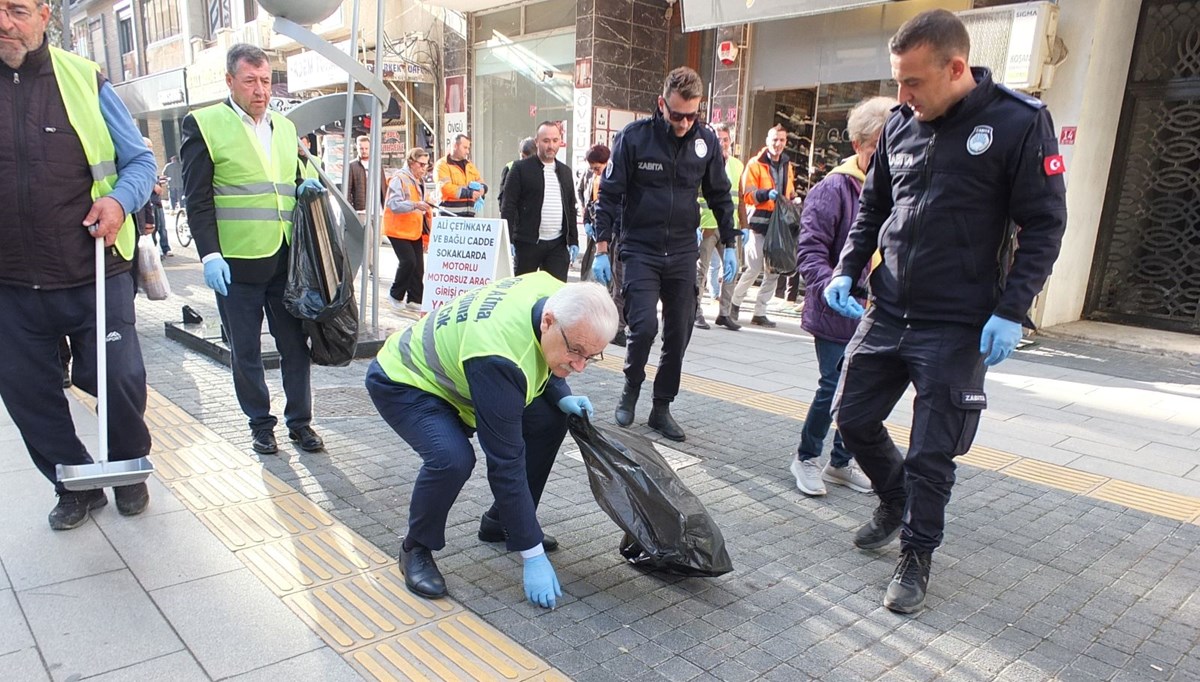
{"x": 850, "y": 476}
{"x": 808, "y": 476}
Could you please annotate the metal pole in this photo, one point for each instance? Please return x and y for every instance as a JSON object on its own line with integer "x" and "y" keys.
{"x": 376, "y": 215}
{"x": 348, "y": 122}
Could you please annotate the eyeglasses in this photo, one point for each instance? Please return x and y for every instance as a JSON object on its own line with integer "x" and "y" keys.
{"x": 17, "y": 13}
{"x": 586, "y": 358}
{"x": 678, "y": 117}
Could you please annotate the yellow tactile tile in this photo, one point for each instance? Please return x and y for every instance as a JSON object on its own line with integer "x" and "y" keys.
{"x": 306, "y": 561}
{"x": 225, "y": 488}
{"x": 987, "y": 458}
{"x": 166, "y": 417}
{"x": 198, "y": 460}
{"x": 257, "y": 523}
{"x": 367, "y": 608}
{"x": 459, "y": 647}
{"x": 1055, "y": 476}
{"x": 1170, "y": 505}
{"x": 183, "y": 436}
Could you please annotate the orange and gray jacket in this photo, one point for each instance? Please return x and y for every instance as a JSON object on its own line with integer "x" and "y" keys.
{"x": 760, "y": 178}
{"x": 452, "y": 180}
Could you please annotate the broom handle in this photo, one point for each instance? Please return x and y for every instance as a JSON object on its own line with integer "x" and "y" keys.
{"x": 101, "y": 356}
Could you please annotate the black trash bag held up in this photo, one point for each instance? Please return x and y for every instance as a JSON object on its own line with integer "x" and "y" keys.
{"x": 666, "y": 526}
{"x": 320, "y": 288}
{"x": 783, "y": 233}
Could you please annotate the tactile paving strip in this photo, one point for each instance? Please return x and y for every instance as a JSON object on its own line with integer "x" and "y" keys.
{"x": 198, "y": 460}
{"x": 366, "y": 608}
{"x": 458, "y": 647}
{"x": 306, "y": 561}
{"x": 228, "y": 488}
{"x": 1055, "y": 476}
{"x": 1170, "y": 505}
{"x": 269, "y": 520}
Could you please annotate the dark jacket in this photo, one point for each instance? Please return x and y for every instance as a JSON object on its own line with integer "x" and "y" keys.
{"x": 829, "y": 210}
{"x": 356, "y": 189}
{"x": 650, "y": 188}
{"x": 941, "y": 202}
{"x": 524, "y": 189}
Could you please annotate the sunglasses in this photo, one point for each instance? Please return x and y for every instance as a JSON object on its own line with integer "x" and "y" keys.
{"x": 589, "y": 359}
{"x": 678, "y": 117}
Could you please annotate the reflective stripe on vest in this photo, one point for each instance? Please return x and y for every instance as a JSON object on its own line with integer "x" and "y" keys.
{"x": 77, "y": 84}
{"x": 253, "y": 195}
{"x": 494, "y": 320}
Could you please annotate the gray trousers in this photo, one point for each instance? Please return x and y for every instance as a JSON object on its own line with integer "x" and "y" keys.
{"x": 710, "y": 248}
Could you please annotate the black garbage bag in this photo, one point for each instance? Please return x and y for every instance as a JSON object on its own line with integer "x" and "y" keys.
{"x": 666, "y": 526}
{"x": 783, "y": 232}
{"x": 320, "y": 285}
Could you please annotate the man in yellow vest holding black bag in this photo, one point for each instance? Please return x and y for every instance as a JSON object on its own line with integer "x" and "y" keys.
{"x": 75, "y": 170}
{"x": 241, "y": 175}
{"x": 493, "y": 360}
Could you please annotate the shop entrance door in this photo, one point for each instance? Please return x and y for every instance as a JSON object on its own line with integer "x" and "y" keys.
{"x": 1147, "y": 266}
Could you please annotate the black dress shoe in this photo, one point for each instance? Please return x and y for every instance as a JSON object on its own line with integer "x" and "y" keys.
{"x": 701, "y": 323}
{"x": 728, "y": 323}
{"x": 629, "y": 397}
{"x": 131, "y": 499}
{"x": 73, "y": 508}
{"x": 421, "y": 574}
{"x": 264, "y": 442}
{"x": 491, "y": 530}
{"x": 307, "y": 439}
{"x": 661, "y": 420}
{"x": 763, "y": 321}
{"x": 619, "y": 339}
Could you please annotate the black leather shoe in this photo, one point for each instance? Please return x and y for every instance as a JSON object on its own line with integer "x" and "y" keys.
{"x": 661, "y": 420}
{"x": 906, "y": 592}
{"x": 421, "y": 574}
{"x": 763, "y": 321}
{"x": 491, "y": 530}
{"x": 73, "y": 508}
{"x": 883, "y": 527}
{"x": 620, "y": 339}
{"x": 625, "y": 408}
{"x": 728, "y": 323}
{"x": 131, "y": 499}
{"x": 701, "y": 323}
{"x": 264, "y": 442}
{"x": 307, "y": 439}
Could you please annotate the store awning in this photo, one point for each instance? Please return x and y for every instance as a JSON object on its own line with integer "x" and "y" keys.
{"x": 702, "y": 14}
{"x": 162, "y": 94}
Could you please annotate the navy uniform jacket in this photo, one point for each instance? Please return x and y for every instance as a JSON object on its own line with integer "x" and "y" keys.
{"x": 941, "y": 202}
{"x": 649, "y": 188}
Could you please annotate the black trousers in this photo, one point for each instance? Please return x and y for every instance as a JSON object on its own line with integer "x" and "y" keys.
{"x": 432, "y": 427}
{"x": 549, "y": 255}
{"x": 647, "y": 280}
{"x": 943, "y": 363}
{"x": 33, "y": 324}
{"x": 242, "y": 314}
{"x": 410, "y": 271}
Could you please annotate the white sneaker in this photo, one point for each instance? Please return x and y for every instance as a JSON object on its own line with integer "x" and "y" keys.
{"x": 415, "y": 307}
{"x": 808, "y": 476}
{"x": 850, "y": 476}
{"x": 396, "y": 305}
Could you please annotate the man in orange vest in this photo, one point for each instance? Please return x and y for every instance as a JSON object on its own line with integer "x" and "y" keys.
{"x": 459, "y": 183}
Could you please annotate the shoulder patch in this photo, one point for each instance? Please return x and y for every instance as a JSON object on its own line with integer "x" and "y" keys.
{"x": 1024, "y": 98}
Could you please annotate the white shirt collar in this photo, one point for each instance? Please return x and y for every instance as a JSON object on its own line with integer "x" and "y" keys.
{"x": 266, "y": 119}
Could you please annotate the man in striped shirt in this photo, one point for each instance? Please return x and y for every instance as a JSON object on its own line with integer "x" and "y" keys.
{"x": 539, "y": 205}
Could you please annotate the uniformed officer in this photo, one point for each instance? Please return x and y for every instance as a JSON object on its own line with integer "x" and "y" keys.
{"x": 650, "y": 189}
{"x": 959, "y": 162}
{"x": 492, "y": 360}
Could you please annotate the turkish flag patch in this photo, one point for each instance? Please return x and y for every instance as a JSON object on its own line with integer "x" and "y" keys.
{"x": 1053, "y": 165}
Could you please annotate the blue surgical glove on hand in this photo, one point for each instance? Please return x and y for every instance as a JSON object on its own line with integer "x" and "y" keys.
{"x": 999, "y": 339}
{"x": 541, "y": 583}
{"x": 309, "y": 183}
{"x": 589, "y": 230}
{"x": 745, "y": 235}
{"x": 574, "y": 250}
{"x": 837, "y": 295}
{"x": 475, "y": 186}
{"x": 216, "y": 275}
{"x": 699, "y": 236}
{"x": 773, "y": 194}
{"x": 601, "y": 269}
{"x": 730, "y": 263}
{"x": 479, "y": 206}
{"x": 577, "y": 405}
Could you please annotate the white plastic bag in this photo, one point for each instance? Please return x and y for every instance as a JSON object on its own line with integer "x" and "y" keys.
{"x": 151, "y": 275}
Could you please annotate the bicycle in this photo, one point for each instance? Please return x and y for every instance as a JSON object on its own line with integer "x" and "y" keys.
{"x": 183, "y": 232}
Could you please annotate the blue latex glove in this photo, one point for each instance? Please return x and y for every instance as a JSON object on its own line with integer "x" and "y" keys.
{"x": 773, "y": 194}
{"x": 541, "y": 583}
{"x": 837, "y": 295}
{"x": 745, "y": 236}
{"x": 699, "y": 236}
{"x": 589, "y": 230}
{"x": 730, "y": 263}
{"x": 216, "y": 275}
{"x": 479, "y": 206}
{"x": 577, "y": 405}
{"x": 574, "y": 250}
{"x": 309, "y": 183}
{"x": 601, "y": 269}
{"x": 475, "y": 186}
{"x": 999, "y": 339}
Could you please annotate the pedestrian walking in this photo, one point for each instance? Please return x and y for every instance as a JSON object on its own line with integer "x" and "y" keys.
{"x": 405, "y": 222}
{"x": 539, "y": 205}
{"x": 709, "y": 267}
{"x": 588, "y": 194}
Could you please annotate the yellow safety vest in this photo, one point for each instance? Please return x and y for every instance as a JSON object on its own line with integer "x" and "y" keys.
{"x": 254, "y": 195}
{"x": 493, "y": 320}
{"x": 80, "y": 92}
{"x": 733, "y": 169}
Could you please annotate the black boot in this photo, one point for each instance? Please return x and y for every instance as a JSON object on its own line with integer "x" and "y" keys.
{"x": 661, "y": 420}
{"x": 491, "y": 530}
{"x": 421, "y": 574}
{"x": 629, "y": 398}
{"x": 883, "y": 527}
{"x": 906, "y": 592}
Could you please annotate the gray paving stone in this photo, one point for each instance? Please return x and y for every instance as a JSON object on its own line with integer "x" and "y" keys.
{"x": 24, "y": 665}
{"x": 14, "y": 631}
{"x": 176, "y": 667}
{"x": 168, "y": 549}
{"x": 81, "y": 626}
{"x": 322, "y": 664}
{"x": 264, "y": 631}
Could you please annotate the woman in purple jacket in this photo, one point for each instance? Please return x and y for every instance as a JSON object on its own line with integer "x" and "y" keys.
{"x": 829, "y": 211}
